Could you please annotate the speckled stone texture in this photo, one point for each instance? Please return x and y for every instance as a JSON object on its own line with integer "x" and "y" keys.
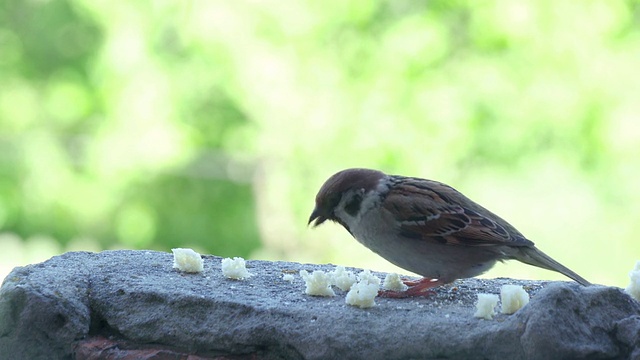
{"x": 134, "y": 305}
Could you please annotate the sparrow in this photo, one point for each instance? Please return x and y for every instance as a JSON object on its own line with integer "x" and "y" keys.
{"x": 424, "y": 226}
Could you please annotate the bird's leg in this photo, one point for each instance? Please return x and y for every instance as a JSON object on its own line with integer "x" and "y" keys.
{"x": 417, "y": 288}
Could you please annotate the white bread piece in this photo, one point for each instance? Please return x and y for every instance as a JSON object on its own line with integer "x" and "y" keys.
{"x": 485, "y": 306}
{"x": 362, "y": 295}
{"x": 392, "y": 282}
{"x": 342, "y": 278}
{"x": 634, "y": 286}
{"x": 512, "y": 297}
{"x": 318, "y": 283}
{"x": 187, "y": 260}
{"x": 235, "y": 268}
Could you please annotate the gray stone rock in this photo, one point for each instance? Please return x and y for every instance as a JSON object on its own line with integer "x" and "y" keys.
{"x": 136, "y": 300}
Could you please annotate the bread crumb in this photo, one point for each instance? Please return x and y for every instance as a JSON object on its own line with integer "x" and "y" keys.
{"x": 512, "y": 297}
{"x": 342, "y": 278}
{"x": 287, "y": 277}
{"x": 368, "y": 277}
{"x": 234, "y": 268}
{"x": 634, "y": 286}
{"x": 362, "y": 294}
{"x": 318, "y": 283}
{"x": 187, "y": 260}
{"x": 485, "y": 306}
{"x": 392, "y": 282}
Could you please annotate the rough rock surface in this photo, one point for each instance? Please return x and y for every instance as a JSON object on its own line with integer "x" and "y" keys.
{"x": 133, "y": 304}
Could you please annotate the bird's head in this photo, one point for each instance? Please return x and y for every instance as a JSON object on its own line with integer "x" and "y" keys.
{"x": 342, "y": 194}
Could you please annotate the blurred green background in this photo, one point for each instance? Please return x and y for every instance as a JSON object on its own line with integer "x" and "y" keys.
{"x": 212, "y": 124}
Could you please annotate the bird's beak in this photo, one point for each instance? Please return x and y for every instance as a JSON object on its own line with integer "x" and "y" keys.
{"x": 317, "y": 216}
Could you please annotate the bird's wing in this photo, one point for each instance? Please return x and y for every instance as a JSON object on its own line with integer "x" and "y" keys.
{"x": 432, "y": 211}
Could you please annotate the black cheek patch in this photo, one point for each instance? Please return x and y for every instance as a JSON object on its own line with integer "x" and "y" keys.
{"x": 353, "y": 206}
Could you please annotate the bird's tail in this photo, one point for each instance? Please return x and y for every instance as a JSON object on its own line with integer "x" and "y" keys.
{"x": 535, "y": 257}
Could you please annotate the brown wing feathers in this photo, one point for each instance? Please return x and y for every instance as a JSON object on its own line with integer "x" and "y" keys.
{"x": 442, "y": 219}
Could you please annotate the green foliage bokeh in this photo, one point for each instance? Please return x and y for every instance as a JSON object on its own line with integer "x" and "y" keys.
{"x": 211, "y": 124}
